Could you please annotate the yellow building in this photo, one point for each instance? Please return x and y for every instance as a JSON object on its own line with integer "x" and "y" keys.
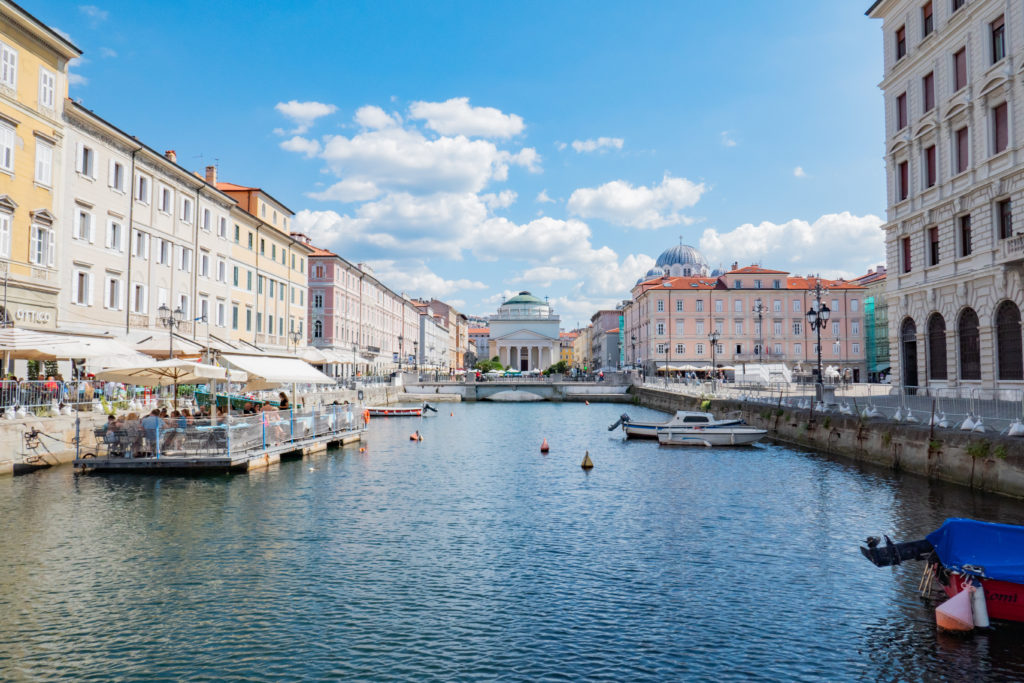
{"x": 271, "y": 286}
{"x": 567, "y": 340}
{"x": 581, "y": 348}
{"x": 33, "y": 88}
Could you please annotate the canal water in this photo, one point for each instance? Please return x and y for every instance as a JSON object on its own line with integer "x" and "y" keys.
{"x": 471, "y": 556}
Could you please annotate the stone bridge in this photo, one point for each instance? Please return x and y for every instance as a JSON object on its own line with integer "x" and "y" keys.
{"x": 526, "y": 389}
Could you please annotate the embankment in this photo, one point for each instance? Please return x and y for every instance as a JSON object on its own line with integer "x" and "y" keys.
{"x": 985, "y": 462}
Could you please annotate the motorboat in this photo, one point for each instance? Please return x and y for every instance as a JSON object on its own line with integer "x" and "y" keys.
{"x": 984, "y": 558}
{"x": 400, "y": 411}
{"x": 724, "y": 435}
{"x": 682, "y": 419}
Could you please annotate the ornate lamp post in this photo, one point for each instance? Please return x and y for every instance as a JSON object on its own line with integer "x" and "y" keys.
{"x": 714, "y": 347}
{"x": 759, "y": 337}
{"x": 416, "y": 357}
{"x": 632, "y": 339}
{"x": 401, "y": 350}
{"x": 170, "y": 319}
{"x": 294, "y": 337}
{"x": 817, "y": 318}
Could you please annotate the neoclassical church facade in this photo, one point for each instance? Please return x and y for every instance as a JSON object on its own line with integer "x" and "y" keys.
{"x": 955, "y": 174}
{"x": 525, "y": 333}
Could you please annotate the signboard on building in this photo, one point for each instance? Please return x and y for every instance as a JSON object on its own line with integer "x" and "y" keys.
{"x": 622, "y": 341}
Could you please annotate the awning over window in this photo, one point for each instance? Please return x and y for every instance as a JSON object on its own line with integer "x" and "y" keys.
{"x": 267, "y": 372}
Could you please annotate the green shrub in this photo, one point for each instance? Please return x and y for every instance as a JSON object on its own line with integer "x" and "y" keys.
{"x": 979, "y": 449}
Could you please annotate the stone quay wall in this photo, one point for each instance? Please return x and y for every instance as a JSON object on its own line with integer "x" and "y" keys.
{"x": 985, "y": 462}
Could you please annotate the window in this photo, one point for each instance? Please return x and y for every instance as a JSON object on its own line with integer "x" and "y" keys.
{"x": 115, "y": 176}
{"x": 207, "y": 220}
{"x": 965, "y": 235}
{"x": 222, "y": 270}
{"x": 718, "y": 305}
{"x": 44, "y": 163}
{"x": 901, "y": 42}
{"x": 273, "y": 251}
{"x": 905, "y": 248}
{"x": 661, "y": 348}
{"x": 139, "y": 302}
{"x": 6, "y": 148}
{"x": 234, "y": 316}
{"x": 81, "y": 288}
{"x": 680, "y": 328}
{"x": 112, "y": 293}
{"x": 901, "y": 111}
{"x": 738, "y": 284}
{"x": 933, "y": 246}
{"x": 86, "y": 161}
{"x": 776, "y": 284}
{"x": 1000, "y": 128}
{"x": 680, "y": 349}
{"x": 41, "y": 247}
{"x": 936, "y": 347}
{"x": 798, "y": 349}
{"x": 718, "y": 326}
{"x": 234, "y": 277}
{"x": 903, "y": 189}
{"x": 115, "y": 234}
{"x": 700, "y": 349}
{"x": 142, "y": 189}
{"x": 855, "y": 348}
{"x": 777, "y": 305}
{"x": 318, "y": 330}
{"x": 8, "y": 66}
{"x": 679, "y": 305}
{"x": 161, "y": 297}
{"x": 798, "y": 327}
{"x": 250, "y": 241}
{"x": 165, "y": 199}
{"x": 222, "y": 228}
{"x": 183, "y": 302}
{"x": 738, "y": 325}
{"x": 163, "y": 251}
{"x": 263, "y": 246}
{"x": 238, "y": 233}
{"x": 930, "y": 169}
{"x": 661, "y": 329}
{"x": 319, "y": 270}
{"x": 248, "y": 319}
{"x": 141, "y": 246}
{"x": 998, "y": 30}
{"x": 186, "y": 209}
{"x": 700, "y": 328}
{"x": 660, "y": 306}
{"x": 185, "y": 259}
{"x": 1010, "y": 354}
{"x": 83, "y": 225}
{"x": 757, "y": 284}
{"x": 960, "y": 69}
{"x": 777, "y": 329}
{"x": 204, "y": 263}
{"x": 259, "y": 284}
{"x": 970, "y": 348}
{"x": 5, "y": 234}
{"x": 248, "y": 280}
{"x": 835, "y": 329}
{"x": 962, "y": 150}
{"x": 204, "y": 310}
{"x": 263, "y": 210}
{"x": 280, "y": 293}
{"x": 318, "y": 301}
{"x": 928, "y": 91}
{"x": 700, "y": 305}
{"x": 854, "y": 305}
{"x": 957, "y": 4}
{"x": 1005, "y": 212}
{"x": 737, "y": 306}
{"x": 927, "y": 20}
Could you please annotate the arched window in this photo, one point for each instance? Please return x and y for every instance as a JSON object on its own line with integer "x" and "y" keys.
{"x": 1008, "y": 341}
{"x": 936, "y": 347}
{"x": 318, "y": 330}
{"x": 970, "y": 346}
{"x": 908, "y": 355}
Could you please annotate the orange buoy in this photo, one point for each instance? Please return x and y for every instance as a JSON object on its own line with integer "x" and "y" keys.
{"x": 586, "y": 403}
{"x": 955, "y": 614}
{"x": 416, "y": 436}
{"x": 587, "y": 462}
{"x": 452, "y": 414}
{"x": 544, "y": 446}
{"x": 363, "y": 449}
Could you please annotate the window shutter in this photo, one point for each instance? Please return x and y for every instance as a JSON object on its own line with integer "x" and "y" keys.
{"x": 110, "y": 175}
{"x": 50, "y": 248}
{"x": 74, "y": 286}
{"x": 92, "y": 229}
{"x": 88, "y": 289}
{"x": 110, "y": 234}
{"x": 78, "y": 156}
{"x": 145, "y": 246}
{"x": 120, "y": 296}
{"x": 76, "y": 229}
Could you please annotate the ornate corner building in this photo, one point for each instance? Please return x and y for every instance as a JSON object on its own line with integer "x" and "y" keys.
{"x": 954, "y": 154}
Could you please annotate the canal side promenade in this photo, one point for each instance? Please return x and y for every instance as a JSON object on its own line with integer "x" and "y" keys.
{"x": 988, "y": 462}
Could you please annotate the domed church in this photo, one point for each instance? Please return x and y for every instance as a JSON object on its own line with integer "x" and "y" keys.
{"x": 524, "y": 333}
{"x": 681, "y": 260}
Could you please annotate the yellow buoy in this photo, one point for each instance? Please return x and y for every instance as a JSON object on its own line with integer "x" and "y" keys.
{"x": 587, "y": 462}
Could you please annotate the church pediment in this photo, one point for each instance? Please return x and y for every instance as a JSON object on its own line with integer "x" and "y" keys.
{"x": 524, "y": 336}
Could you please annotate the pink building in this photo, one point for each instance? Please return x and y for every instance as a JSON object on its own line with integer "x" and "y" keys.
{"x": 758, "y": 314}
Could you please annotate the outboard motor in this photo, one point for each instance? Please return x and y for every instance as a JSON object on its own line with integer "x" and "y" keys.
{"x": 623, "y": 419}
{"x": 892, "y": 554}
{"x": 427, "y": 406}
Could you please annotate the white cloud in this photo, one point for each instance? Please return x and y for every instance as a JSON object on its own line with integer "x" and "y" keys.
{"x": 598, "y": 145}
{"x": 304, "y": 114}
{"x": 65, "y": 35}
{"x": 620, "y": 203}
{"x": 416, "y": 279}
{"x": 727, "y": 140}
{"x": 543, "y": 276}
{"x": 798, "y": 172}
{"x": 107, "y": 52}
{"x": 94, "y": 13}
{"x": 502, "y": 200}
{"x": 347, "y": 191}
{"x": 543, "y": 198}
{"x": 457, "y": 117}
{"x": 77, "y": 79}
{"x": 836, "y": 244}
{"x": 561, "y": 146}
{"x": 375, "y": 118}
{"x": 309, "y": 148}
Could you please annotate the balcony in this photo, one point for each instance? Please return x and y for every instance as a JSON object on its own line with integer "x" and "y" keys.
{"x": 138, "y": 321}
{"x": 1013, "y": 249}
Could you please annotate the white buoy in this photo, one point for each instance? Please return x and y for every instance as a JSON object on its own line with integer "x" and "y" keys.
{"x": 955, "y": 614}
{"x": 978, "y": 606}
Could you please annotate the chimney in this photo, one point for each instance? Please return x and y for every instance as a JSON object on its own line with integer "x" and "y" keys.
{"x": 171, "y": 156}
{"x": 735, "y": 265}
{"x": 211, "y": 175}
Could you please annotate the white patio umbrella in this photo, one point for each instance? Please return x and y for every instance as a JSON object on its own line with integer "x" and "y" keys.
{"x": 166, "y": 373}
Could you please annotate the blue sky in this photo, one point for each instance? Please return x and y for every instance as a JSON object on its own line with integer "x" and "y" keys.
{"x": 435, "y": 141}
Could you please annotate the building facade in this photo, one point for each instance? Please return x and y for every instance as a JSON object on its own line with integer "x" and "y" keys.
{"x": 525, "y": 333}
{"x": 480, "y": 338}
{"x": 953, "y": 150}
{"x": 33, "y": 92}
{"x": 876, "y": 323}
{"x": 566, "y": 342}
{"x": 604, "y": 340}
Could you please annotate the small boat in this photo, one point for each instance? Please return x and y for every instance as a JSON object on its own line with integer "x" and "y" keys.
{"x": 962, "y": 552}
{"x": 682, "y": 418}
{"x": 400, "y": 411}
{"x": 710, "y": 436}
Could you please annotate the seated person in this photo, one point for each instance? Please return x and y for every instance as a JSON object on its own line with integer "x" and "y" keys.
{"x": 152, "y": 425}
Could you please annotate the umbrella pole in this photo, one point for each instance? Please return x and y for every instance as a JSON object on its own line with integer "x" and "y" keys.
{"x": 175, "y": 394}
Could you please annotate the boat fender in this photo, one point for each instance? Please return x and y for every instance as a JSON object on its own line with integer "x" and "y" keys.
{"x": 955, "y": 614}
{"x": 979, "y": 608}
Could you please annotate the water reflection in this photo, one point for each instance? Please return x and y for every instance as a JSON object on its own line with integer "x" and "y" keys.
{"x": 471, "y": 555}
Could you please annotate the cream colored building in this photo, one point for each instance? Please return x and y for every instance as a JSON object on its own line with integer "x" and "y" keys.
{"x": 33, "y": 90}
{"x": 524, "y": 333}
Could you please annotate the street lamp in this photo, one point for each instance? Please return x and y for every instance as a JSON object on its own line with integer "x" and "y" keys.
{"x": 817, "y": 317}
{"x": 170, "y": 319}
{"x": 295, "y": 336}
{"x": 759, "y": 337}
{"x": 401, "y": 350}
{"x": 632, "y": 339}
{"x": 714, "y": 347}
{"x": 416, "y": 357}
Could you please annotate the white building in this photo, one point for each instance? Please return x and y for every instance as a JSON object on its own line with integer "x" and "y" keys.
{"x": 524, "y": 333}
{"x": 954, "y": 152}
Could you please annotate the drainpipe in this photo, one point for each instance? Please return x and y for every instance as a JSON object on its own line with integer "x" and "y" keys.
{"x": 256, "y": 248}
{"x": 195, "y": 272}
{"x": 131, "y": 234}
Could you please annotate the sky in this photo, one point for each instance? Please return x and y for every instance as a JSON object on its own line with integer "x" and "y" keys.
{"x": 471, "y": 150}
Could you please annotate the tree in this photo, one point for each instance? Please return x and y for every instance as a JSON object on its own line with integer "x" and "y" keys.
{"x": 559, "y": 368}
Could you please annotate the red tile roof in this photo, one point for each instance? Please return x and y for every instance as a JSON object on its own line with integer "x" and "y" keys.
{"x": 686, "y": 283}
{"x": 317, "y": 251}
{"x": 225, "y": 187}
{"x": 479, "y": 330}
{"x": 809, "y": 282}
{"x": 756, "y": 270}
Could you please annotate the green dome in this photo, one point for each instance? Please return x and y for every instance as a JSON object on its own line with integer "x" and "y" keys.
{"x": 525, "y": 298}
